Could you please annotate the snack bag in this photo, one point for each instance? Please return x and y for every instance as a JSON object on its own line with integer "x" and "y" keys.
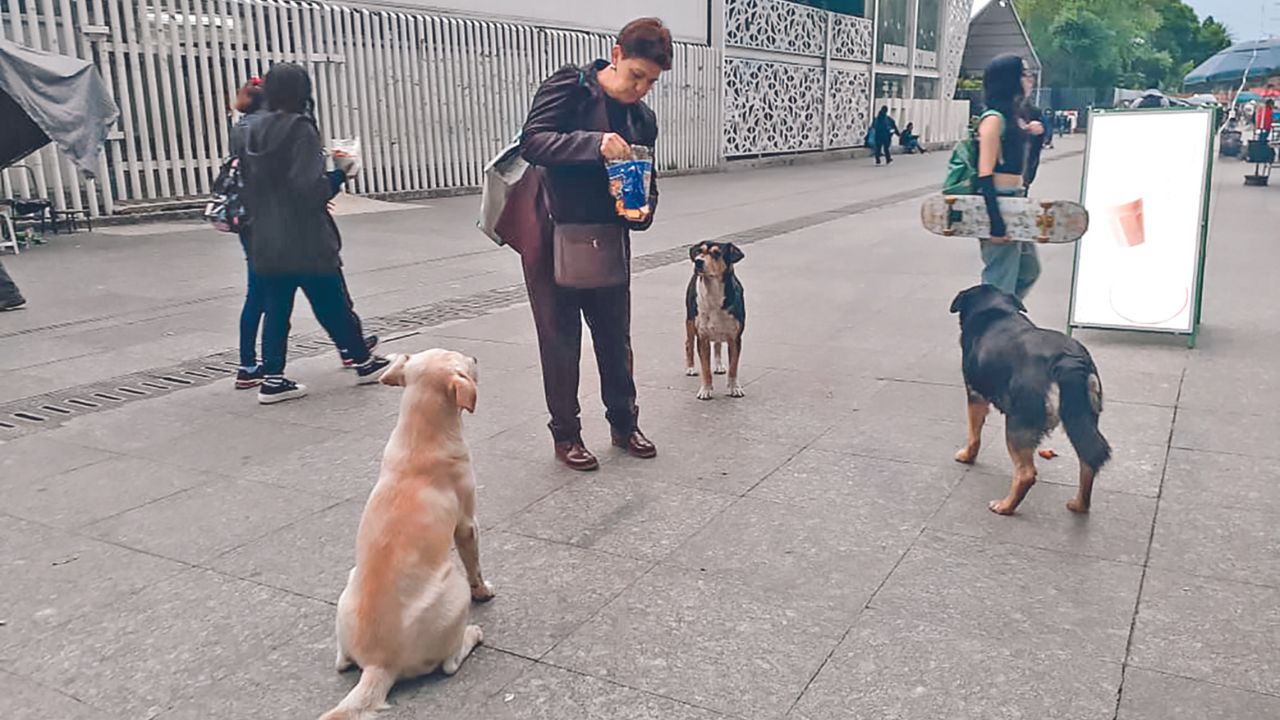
{"x": 629, "y": 182}
{"x": 347, "y": 156}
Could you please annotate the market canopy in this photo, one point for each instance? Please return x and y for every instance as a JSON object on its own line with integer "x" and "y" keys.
{"x": 1259, "y": 59}
{"x": 996, "y": 29}
{"x": 46, "y": 97}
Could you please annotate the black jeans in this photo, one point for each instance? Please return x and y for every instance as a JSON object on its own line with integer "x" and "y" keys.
{"x": 328, "y": 297}
{"x": 882, "y": 146}
{"x": 558, "y": 314}
{"x": 9, "y": 294}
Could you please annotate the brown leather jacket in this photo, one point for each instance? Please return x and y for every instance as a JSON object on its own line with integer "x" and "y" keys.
{"x": 562, "y": 134}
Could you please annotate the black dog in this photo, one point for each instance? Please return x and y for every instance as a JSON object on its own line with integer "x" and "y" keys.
{"x": 715, "y": 313}
{"x": 1036, "y": 378}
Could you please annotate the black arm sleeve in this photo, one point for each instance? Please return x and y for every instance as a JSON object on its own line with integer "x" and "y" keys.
{"x": 544, "y": 140}
{"x": 986, "y": 187}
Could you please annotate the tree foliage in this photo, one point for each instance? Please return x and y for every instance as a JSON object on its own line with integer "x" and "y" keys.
{"x": 1119, "y": 43}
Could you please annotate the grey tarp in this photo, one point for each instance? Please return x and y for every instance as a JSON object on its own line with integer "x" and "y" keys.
{"x": 45, "y": 96}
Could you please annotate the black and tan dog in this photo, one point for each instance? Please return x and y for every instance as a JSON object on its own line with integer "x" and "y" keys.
{"x": 1037, "y": 378}
{"x": 716, "y": 314}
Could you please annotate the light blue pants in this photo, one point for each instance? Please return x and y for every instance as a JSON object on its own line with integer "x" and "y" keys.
{"x": 1012, "y": 266}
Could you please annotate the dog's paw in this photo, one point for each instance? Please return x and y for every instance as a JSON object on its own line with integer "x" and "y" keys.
{"x": 691, "y": 371}
{"x": 482, "y": 592}
{"x": 735, "y": 390}
{"x": 967, "y": 455}
{"x": 720, "y": 369}
{"x": 1001, "y": 507}
{"x": 704, "y": 393}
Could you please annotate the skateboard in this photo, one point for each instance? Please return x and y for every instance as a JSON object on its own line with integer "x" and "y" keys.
{"x": 1027, "y": 220}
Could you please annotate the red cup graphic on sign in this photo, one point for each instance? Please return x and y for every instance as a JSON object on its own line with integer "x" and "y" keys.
{"x": 1127, "y": 223}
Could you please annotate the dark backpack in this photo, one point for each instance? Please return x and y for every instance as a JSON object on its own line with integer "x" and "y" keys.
{"x": 226, "y": 210}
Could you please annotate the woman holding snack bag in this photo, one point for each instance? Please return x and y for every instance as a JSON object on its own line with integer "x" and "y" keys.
{"x": 592, "y": 137}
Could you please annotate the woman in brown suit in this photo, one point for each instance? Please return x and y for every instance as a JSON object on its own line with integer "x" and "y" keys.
{"x": 581, "y": 118}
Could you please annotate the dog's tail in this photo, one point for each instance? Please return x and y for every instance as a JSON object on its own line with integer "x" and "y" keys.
{"x": 1080, "y": 404}
{"x": 366, "y": 698}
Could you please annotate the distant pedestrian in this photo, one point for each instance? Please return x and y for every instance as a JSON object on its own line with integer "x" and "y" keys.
{"x": 1266, "y": 120}
{"x": 910, "y": 141}
{"x": 1049, "y": 119}
{"x": 885, "y": 128}
{"x": 1033, "y": 117}
{"x": 250, "y": 101}
{"x": 295, "y": 243}
{"x": 10, "y": 297}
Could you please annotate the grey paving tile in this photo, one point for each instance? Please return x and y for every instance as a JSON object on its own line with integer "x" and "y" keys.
{"x": 547, "y": 693}
{"x": 507, "y": 485}
{"x": 913, "y": 439}
{"x": 311, "y": 557}
{"x": 1014, "y": 594}
{"x": 633, "y": 518}
{"x": 234, "y": 445}
{"x": 340, "y": 466}
{"x": 1117, "y": 528}
{"x": 62, "y": 576}
{"x": 138, "y": 656}
{"x": 1123, "y": 383}
{"x": 139, "y": 425}
{"x": 531, "y": 440}
{"x": 705, "y": 640}
{"x": 1232, "y": 384}
{"x": 35, "y": 457}
{"x": 872, "y": 491}
{"x": 1227, "y": 432}
{"x": 484, "y": 676}
{"x": 891, "y": 666}
{"x": 725, "y": 462}
{"x": 1232, "y": 481}
{"x": 818, "y": 561}
{"x": 1213, "y": 630}
{"x": 1241, "y": 544}
{"x": 25, "y": 699}
{"x": 545, "y": 590}
{"x": 1156, "y": 696}
{"x": 1132, "y": 424}
{"x": 1134, "y": 469}
{"x": 925, "y": 400}
{"x": 198, "y": 524}
{"x": 93, "y": 492}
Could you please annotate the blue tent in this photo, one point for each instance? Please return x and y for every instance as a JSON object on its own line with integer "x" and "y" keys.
{"x": 1247, "y": 96}
{"x": 1261, "y": 58}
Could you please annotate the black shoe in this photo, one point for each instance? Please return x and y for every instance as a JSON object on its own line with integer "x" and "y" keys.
{"x": 16, "y": 304}
{"x": 279, "y": 389}
{"x": 249, "y": 379}
{"x": 370, "y": 344}
{"x": 371, "y": 371}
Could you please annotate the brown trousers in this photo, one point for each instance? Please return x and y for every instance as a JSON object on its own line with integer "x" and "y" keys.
{"x": 558, "y": 313}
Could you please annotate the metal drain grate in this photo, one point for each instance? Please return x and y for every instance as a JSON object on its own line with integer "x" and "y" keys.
{"x": 50, "y": 410}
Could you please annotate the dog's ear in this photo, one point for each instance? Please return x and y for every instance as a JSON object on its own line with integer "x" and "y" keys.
{"x": 464, "y": 392}
{"x": 961, "y": 299}
{"x": 394, "y": 374}
{"x": 694, "y": 250}
{"x": 732, "y": 254}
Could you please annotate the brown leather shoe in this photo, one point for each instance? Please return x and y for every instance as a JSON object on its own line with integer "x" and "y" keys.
{"x": 576, "y": 456}
{"x": 637, "y": 445}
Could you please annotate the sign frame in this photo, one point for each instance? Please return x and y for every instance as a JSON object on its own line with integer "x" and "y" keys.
{"x": 1202, "y": 241}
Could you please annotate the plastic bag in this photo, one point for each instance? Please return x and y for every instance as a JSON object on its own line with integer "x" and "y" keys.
{"x": 629, "y": 182}
{"x": 347, "y": 156}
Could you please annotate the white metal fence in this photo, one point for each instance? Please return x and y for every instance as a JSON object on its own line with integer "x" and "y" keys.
{"x": 431, "y": 97}
{"x": 935, "y": 121}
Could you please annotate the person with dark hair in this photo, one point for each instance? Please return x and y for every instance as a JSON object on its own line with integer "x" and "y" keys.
{"x": 884, "y": 129}
{"x": 581, "y": 118}
{"x": 1002, "y": 155}
{"x": 10, "y": 297}
{"x": 294, "y": 243}
{"x": 249, "y": 101}
{"x": 1035, "y": 124}
{"x": 910, "y": 141}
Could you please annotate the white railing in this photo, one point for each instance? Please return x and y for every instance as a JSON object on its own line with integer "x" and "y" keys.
{"x": 935, "y": 121}
{"x": 432, "y": 97}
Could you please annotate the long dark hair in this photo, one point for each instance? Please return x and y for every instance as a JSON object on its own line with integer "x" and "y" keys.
{"x": 1002, "y": 85}
{"x": 288, "y": 89}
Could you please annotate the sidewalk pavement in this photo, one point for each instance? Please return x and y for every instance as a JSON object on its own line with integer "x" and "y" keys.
{"x": 810, "y": 551}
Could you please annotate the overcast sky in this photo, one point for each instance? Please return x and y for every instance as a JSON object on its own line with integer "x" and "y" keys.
{"x": 1241, "y": 16}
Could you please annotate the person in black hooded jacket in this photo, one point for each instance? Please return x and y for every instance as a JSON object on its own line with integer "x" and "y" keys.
{"x": 294, "y": 241}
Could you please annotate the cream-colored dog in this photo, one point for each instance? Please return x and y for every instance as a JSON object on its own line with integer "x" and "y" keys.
{"x": 404, "y": 610}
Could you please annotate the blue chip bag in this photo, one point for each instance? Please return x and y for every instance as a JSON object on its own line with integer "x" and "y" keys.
{"x": 629, "y": 182}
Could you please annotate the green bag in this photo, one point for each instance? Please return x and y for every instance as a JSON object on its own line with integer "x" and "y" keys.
{"x": 962, "y": 168}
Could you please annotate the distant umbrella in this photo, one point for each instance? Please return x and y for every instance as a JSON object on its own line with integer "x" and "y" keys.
{"x": 1260, "y": 59}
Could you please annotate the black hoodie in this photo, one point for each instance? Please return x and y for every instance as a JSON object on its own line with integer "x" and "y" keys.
{"x": 286, "y": 194}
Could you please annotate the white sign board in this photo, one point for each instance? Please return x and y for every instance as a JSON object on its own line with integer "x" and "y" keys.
{"x": 1146, "y": 190}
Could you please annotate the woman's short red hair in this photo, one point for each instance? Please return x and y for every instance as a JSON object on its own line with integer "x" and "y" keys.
{"x": 647, "y": 39}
